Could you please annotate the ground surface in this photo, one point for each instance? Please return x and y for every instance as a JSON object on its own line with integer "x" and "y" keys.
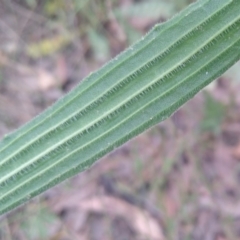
{"x": 179, "y": 180}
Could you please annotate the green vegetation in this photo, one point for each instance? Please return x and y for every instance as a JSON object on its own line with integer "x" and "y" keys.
{"x": 139, "y": 88}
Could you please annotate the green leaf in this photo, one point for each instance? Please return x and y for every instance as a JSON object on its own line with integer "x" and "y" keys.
{"x": 31, "y": 3}
{"x": 213, "y": 115}
{"x": 99, "y": 44}
{"x": 148, "y": 9}
{"x": 139, "y": 88}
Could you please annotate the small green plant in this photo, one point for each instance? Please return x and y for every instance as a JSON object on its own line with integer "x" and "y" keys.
{"x": 214, "y": 113}
{"x": 139, "y": 88}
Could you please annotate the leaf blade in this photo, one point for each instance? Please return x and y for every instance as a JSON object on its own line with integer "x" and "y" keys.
{"x": 143, "y": 86}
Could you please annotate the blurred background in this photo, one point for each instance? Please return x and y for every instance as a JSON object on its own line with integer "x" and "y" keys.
{"x": 179, "y": 180}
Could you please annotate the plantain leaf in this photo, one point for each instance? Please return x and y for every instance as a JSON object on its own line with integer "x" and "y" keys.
{"x": 139, "y": 88}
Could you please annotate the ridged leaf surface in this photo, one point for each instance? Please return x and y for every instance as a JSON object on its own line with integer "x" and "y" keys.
{"x": 139, "y": 88}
